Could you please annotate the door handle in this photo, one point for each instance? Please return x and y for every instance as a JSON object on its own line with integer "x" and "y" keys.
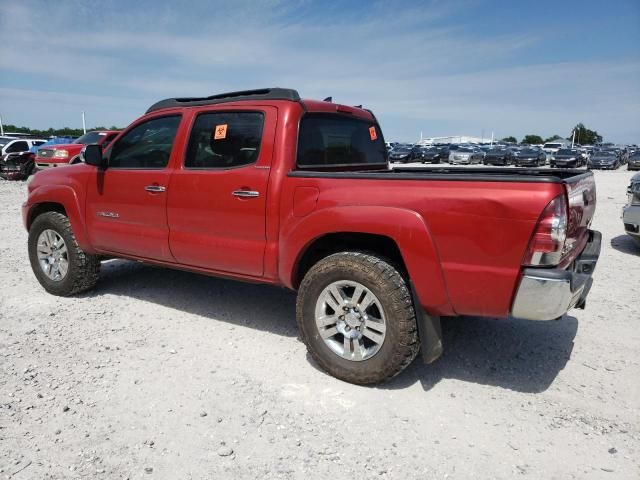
{"x": 155, "y": 188}
{"x": 245, "y": 193}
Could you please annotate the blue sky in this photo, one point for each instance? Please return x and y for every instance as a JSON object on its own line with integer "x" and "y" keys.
{"x": 440, "y": 67}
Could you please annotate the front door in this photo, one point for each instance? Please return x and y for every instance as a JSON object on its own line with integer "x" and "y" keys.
{"x": 217, "y": 199}
{"x": 126, "y": 203}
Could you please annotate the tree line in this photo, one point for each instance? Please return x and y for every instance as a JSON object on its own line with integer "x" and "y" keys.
{"x": 53, "y": 132}
{"x": 583, "y": 135}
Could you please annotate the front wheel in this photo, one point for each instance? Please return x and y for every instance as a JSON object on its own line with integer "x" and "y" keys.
{"x": 57, "y": 261}
{"x": 355, "y": 314}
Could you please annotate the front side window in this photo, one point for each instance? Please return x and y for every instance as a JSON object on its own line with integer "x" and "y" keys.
{"x": 147, "y": 145}
{"x": 331, "y": 140}
{"x": 20, "y": 146}
{"x": 225, "y": 140}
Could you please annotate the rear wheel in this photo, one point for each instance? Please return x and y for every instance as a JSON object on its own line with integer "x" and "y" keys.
{"x": 355, "y": 314}
{"x": 57, "y": 261}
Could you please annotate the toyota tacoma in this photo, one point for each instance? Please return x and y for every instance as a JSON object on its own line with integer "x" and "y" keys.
{"x": 266, "y": 187}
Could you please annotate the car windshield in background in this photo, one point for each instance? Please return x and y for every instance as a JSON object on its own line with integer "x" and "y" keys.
{"x": 605, "y": 153}
{"x": 552, "y": 145}
{"x": 330, "y": 140}
{"x": 466, "y": 150}
{"x": 567, "y": 151}
{"x": 91, "y": 137}
{"x": 402, "y": 150}
{"x": 529, "y": 151}
{"x": 5, "y": 140}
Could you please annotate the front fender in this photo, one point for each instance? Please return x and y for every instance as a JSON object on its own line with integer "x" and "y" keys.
{"x": 407, "y": 228}
{"x": 62, "y": 195}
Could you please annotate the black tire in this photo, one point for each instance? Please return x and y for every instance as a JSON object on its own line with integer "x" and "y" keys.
{"x": 401, "y": 344}
{"x": 83, "y": 269}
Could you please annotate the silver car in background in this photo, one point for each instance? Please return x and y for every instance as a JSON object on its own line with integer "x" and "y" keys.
{"x": 631, "y": 211}
{"x": 466, "y": 155}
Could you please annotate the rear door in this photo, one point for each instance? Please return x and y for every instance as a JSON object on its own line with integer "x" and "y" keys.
{"x": 217, "y": 199}
{"x": 126, "y": 203}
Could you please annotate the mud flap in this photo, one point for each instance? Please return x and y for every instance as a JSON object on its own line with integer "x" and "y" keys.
{"x": 429, "y": 330}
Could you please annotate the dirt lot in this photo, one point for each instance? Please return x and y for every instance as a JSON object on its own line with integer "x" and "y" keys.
{"x": 166, "y": 374}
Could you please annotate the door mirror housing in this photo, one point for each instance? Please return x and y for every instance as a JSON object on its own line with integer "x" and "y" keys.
{"x": 92, "y": 155}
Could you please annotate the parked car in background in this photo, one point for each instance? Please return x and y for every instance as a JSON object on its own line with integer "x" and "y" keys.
{"x": 529, "y": 157}
{"x": 16, "y": 159}
{"x": 634, "y": 161}
{"x": 465, "y": 155}
{"x": 68, "y": 154}
{"x": 552, "y": 147}
{"x": 567, "y": 158}
{"x": 604, "y": 159}
{"x": 499, "y": 156}
{"x": 431, "y": 155}
{"x": 631, "y": 211}
{"x": 401, "y": 155}
{"x": 17, "y": 145}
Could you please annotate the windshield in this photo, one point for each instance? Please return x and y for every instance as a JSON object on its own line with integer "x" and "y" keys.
{"x": 91, "y": 137}
{"x": 402, "y": 150}
{"x": 5, "y": 140}
{"x": 605, "y": 154}
{"x": 330, "y": 140}
{"x": 567, "y": 151}
{"x": 529, "y": 151}
{"x": 465, "y": 150}
{"x": 552, "y": 145}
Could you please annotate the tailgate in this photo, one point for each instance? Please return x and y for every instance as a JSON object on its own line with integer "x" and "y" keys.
{"x": 581, "y": 196}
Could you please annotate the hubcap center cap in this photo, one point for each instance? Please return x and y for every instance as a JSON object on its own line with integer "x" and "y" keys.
{"x": 352, "y": 319}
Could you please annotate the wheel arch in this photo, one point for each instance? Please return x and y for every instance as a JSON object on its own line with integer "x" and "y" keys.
{"x": 62, "y": 199}
{"x": 398, "y": 234}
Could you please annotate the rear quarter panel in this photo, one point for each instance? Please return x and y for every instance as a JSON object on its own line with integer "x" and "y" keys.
{"x": 462, "y": 241}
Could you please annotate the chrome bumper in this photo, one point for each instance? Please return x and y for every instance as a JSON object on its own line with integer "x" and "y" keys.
{"x": 546, "y": 294}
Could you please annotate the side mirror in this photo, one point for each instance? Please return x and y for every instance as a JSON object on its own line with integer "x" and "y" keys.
{"x": 92, "y": 155}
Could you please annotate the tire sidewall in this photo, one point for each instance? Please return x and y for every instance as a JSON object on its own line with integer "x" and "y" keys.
{"x": 393, "y": 311}
{"x": 53, "y": 221}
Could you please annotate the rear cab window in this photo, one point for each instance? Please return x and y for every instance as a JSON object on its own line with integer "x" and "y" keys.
{"x": 328, "y": 140}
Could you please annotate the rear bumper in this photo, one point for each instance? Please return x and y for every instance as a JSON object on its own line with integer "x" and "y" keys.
{"x": 546, "y": 294}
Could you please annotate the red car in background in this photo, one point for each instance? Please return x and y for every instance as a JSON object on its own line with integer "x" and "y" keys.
{"x": 68, "y": 154}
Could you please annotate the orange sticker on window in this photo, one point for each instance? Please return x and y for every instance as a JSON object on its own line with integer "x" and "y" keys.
{"x": 220, "y": 132}
{"x": 372, "y": 133}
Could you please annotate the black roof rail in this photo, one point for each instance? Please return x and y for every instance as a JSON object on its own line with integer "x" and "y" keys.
{"x": 259, "y": 94}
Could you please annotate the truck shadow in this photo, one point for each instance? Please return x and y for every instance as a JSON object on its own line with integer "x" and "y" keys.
{"x": 625, "y": 244}
{"x": 520, "y": 355}
{"x": 261, "y": 307}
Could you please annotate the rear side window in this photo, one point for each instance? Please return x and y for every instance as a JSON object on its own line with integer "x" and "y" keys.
{"x": 225, "y": 140}
{"x": 331, "y": 140}
{"x": 147, "y": 145}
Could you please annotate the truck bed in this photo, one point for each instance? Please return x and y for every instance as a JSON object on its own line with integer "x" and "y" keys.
{"x": 478, "y": 174}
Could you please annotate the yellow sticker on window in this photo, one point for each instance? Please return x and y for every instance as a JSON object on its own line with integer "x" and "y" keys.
{"x": 220, "y": 132}
{"x": 372, "y": 133}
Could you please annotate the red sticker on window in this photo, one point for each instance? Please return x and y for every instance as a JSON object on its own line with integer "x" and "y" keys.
{"x": 372, "y": 133}
{"x": 220, "y": 132}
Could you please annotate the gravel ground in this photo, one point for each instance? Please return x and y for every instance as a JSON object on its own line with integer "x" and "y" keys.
{"x": 172, "y": 375}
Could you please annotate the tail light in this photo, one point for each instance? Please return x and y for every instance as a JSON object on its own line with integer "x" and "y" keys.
{"x": 547, "y": 243}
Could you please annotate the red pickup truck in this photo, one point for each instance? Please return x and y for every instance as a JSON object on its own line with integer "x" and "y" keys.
{"x": 68, "y": 154}
{"x": 266, "y": 187}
